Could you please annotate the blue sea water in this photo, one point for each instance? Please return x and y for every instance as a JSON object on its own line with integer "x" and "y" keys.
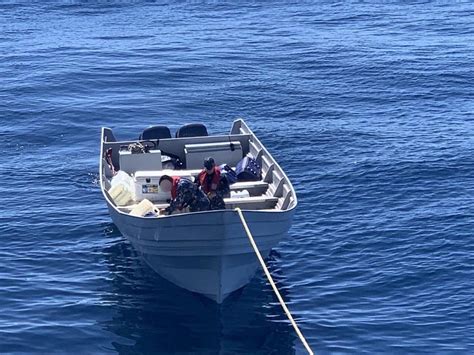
{"x": 368, "y": 106}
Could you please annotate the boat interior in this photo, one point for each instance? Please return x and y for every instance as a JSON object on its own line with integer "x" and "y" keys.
{"x": 187, "y": 148}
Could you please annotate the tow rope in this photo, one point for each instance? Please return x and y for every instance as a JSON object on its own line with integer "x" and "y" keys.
{"x": 270, "y": 279}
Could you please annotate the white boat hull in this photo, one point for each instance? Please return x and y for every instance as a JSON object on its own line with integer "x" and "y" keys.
{"x": 208, "y": 252}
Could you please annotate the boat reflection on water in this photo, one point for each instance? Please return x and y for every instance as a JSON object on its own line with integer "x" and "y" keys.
{"x": 151, "y": 315}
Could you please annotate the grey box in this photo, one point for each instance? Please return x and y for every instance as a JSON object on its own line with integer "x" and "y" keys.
{"x": 223, "y": 153}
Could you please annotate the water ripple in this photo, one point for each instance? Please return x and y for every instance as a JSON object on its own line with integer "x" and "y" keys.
{"x": 368, "y": 107}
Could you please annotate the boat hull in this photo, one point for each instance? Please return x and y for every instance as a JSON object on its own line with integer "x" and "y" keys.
{"x": 204, "y": 252}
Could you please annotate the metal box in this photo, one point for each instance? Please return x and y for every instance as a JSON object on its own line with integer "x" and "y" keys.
{"x": 223, "y": 153}
{"x": 132, "y": 162}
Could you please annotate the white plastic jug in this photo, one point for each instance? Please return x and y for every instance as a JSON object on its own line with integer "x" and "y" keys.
{"x": 122, "y": 177}
{"x": 143, "y": 208}
{"x": 126, "y": 181}
{"x": 120, "y": 194}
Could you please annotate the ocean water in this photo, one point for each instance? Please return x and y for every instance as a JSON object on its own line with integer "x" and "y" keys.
{"x": 368, "y": 106}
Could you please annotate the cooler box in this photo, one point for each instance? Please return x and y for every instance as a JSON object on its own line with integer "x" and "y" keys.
{"x": 228, "y": 153}
{"x": 147, "y": 184}
{"x": 132, "y": 162}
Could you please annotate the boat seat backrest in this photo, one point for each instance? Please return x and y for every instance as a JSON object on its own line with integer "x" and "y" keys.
{"x": 192, "y": 130}
{"x": 155, "y": 132}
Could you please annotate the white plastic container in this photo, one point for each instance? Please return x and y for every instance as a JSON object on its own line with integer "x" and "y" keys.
{"x": 239, "y": 194}
{"x": 143, "y": 208}
{"x": 146, "y": 184}
{"x": 122, "y": 178}
{"x": 147, "y": 187}
{"x": 120, "y": 194}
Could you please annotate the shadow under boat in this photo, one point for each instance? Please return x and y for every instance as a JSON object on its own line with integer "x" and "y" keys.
{"x": 153, "y": 316}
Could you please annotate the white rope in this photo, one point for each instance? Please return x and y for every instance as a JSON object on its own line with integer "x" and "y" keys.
{"x": 270, "y": 279}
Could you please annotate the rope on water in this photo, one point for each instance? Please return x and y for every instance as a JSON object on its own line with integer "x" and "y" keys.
{"x": 270, "y": 279}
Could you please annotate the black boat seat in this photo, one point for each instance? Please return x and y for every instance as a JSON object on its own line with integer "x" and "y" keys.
{"x": 192, "y": 130}
{"x": 155, "y": 132}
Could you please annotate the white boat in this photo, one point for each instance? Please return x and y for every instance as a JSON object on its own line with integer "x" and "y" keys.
{"x": 205, "y": 252}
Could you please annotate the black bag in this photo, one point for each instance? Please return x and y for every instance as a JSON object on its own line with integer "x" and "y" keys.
{"x": 171, "y": 161}
{"x": 228, "y": 173}
{"x": 248, "y": 169}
